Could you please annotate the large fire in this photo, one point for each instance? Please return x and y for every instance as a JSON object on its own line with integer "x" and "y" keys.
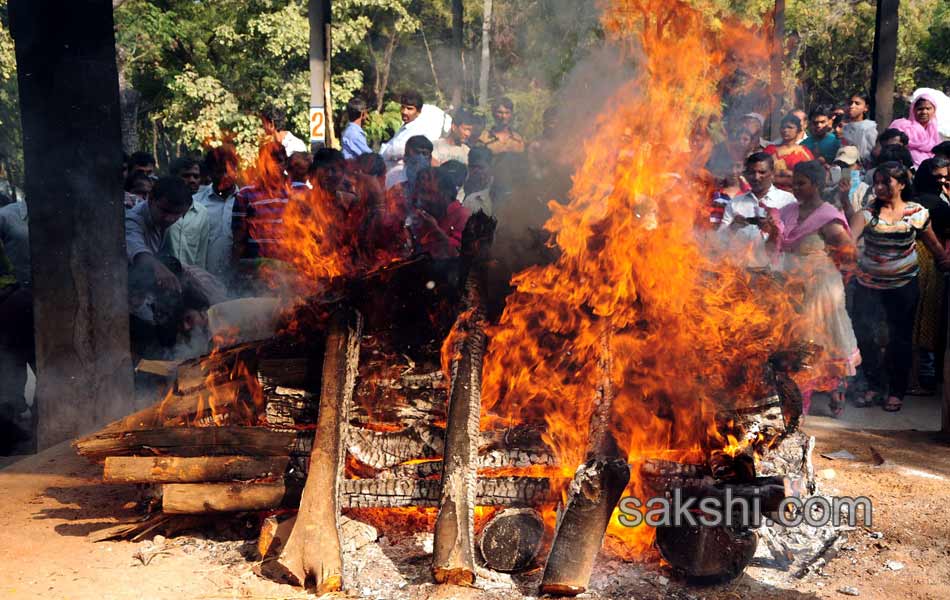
{"x": 636, "y": 303}
{"x": 685, "y": 333}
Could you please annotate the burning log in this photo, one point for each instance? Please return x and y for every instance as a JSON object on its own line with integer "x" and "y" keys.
{"x": 511, "y": 540}
{"x": 490, "y": 491}
{"x": 165, "y": 469}
{"x": 707, "y": 555}
{"x": 592, "y": 496}
{"x": 382, "y": 450}
{"x": 187, "y": 498}
{"x": 313, "y": 549}
{"x": 453, "y": 558}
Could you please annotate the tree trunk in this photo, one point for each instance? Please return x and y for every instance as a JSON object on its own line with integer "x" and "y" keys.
{"x": 777, "y": 64}
{"x": 195, "y": 441}
{"x": 68, "y": 85}
{"x": 382, "y": 68}
{"x": 486, "y": 55}
{"x": 884, "y": 62}
{"x": 129, "y": 99}
{"x": 458, "y": 23}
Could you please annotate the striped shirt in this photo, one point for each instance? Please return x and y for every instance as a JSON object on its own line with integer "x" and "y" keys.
{"x": 889, "y": 257}
{"x": 257, "y": 220}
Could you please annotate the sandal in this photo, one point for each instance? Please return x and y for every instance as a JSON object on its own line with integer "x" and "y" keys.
{"x": 836, "y": 404}
{"x": 837, "y": 401}
{"x": 893, "y": 404}
{"x": 868, "y": 399}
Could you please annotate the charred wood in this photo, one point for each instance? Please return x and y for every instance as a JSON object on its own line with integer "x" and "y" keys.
{"x": 707, "y": 555}
{"x": 511, "y": 540}
{"x": 592, "y": 496}
{"x": 454, "y": 546}
{"x": 313, "y": 550}
{"x": 354, "y": 493}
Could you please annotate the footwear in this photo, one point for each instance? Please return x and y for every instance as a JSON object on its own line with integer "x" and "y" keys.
{"x": 893, "y": 404}
{"x": 869, "y": 398}
{"x": 836, "y": 404}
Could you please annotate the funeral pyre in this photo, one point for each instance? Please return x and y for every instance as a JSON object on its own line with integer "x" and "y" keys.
{"x": 632, "y": 364}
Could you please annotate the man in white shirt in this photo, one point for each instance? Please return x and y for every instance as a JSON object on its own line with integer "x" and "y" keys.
{"x": 418, "y": 119}
{"x": 744, "y": 216}
{"x": 454, "y": 146}
{"x": 218, "y": 198}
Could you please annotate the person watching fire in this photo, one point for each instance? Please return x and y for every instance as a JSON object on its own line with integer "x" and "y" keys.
{"x": 455, "y": 145}
{"x": 437, "y": 220}
{"x": 744, "y": 216}
{"x": 502, "y": 137}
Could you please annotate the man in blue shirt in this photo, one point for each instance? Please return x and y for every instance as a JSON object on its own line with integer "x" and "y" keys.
{"x": 354, "y": 138}
{"x": 821, "y": 141}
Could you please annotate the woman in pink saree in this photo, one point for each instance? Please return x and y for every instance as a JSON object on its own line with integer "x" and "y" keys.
{"x": 815, "y": 247}
{"x": 921, "y": 128}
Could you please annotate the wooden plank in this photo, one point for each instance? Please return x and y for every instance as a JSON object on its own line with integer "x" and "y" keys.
{"x": 173, "y": 469}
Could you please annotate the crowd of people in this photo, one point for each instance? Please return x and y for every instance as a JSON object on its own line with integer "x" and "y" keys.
{"x": 861, "y": 217}
{"x": 198, "y": 232}
{"x": 861, "y": 220}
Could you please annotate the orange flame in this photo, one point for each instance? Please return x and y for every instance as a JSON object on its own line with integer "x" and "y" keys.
{"x": 687, "y": 334}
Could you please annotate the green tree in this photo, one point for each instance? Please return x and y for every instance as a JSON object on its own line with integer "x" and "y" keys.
{"x": 836, "y": 41}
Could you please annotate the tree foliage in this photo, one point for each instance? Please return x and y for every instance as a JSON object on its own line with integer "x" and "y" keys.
{"x": 836, "y": 42}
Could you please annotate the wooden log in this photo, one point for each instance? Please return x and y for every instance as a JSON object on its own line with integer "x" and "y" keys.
{"x": 195, "y": 441}
{"x": 283, "y": 372}
{"x": 511, "y": 540}
{"x": 707, "y": 555}
{"x": 172, "y": 469}
{"x": 314, "y": 550}
{"x": 592, "y": 496}
{"x": 275, "y": 530}
{"x": 385, "y": 449}
{"x": 453, "y": 559}
{"x": 208, "y": 498}
{"x": 356, "y": 493}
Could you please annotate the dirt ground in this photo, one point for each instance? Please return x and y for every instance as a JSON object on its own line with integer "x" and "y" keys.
{"x": 53, "y": 500}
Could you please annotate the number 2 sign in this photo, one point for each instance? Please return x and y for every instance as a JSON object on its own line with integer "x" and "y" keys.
{"x": 318, "y": 125}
